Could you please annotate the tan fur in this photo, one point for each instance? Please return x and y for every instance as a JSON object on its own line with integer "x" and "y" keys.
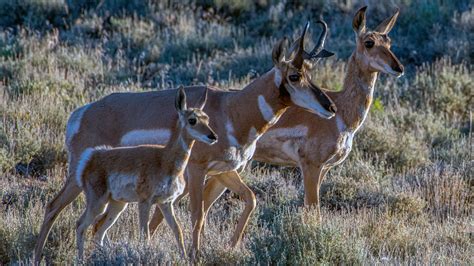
{"x": 326, "y": 144}
{"x": 107, "y": 120}
{"x": 146, "y": 174}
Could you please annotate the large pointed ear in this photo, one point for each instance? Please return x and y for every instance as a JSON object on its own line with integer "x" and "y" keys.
{"x": 279, "y": 51}
{"x": 203, "y": 100}
{"x": 386, "y": 26}
{"x": 180, "y": 102}
{"x": 358, "y": 23}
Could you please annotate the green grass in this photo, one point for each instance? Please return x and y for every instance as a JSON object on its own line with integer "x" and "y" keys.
{"x": 403, "y": 196}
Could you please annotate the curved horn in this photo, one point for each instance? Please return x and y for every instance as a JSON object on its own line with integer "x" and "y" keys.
{"x": 322, "y": 38}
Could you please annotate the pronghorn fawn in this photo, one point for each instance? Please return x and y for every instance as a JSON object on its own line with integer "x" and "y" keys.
{"x": 148, "y": 174}
{"x": 316, "y": 145}
{"x": 239, "y": 117}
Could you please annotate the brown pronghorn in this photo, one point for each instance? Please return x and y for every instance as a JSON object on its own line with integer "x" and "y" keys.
{"x": 314, "y": 144}
{"x": 239, "y": 117}
{"x": 147, "y": 174}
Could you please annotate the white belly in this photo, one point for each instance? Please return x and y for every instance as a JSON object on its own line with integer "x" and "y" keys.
{"x": 123, "y": 187}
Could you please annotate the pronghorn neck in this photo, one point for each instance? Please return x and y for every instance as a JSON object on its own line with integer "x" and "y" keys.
{"x": 179, "y": 146}
{"x": 354, "y": 101}
{"x": 259, "y": 105}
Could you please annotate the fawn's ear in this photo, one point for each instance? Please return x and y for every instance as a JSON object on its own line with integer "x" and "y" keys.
{"x": 180, "y": 102}
{"x": 386, "y": 26}
{"x": 358, "y": 24}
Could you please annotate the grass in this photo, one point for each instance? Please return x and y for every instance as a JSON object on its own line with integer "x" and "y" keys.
{"x": 403, "y": 196}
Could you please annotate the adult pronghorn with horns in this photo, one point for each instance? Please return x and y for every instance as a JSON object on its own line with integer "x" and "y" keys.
{"x": 239, "y": 117}
{"x": 316, "y": 145}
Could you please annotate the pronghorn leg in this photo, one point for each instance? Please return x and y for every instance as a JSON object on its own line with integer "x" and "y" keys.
{"x": 66, "y": 195}
{"x": 93, "y": 209}
{"x": 233, "y": 181}
{"x": 212, "y": 191}
{"x": 157, "y": 217}
{"x": 196, "y": 178}
{"x": 144, "y": 219}
{"x": 168, "y": 211}
{"x": 114, "y": 209}
{"x": 312, "y": 177}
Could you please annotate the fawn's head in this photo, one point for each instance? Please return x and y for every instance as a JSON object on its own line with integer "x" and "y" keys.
{"x": 373, "y": 47}
{"x": 294, "y": 77}
{"x": 193, "y": 120}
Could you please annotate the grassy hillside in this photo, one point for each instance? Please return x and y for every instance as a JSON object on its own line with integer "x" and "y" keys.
{"x": 404, "y": 195}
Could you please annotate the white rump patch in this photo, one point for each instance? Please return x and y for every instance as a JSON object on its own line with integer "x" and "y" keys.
{"x": 74, "y": 123}
{"x": 83, "y": 160}
{"x": 146, "y": 136}
{"x": 265, "y": 109}
{"x": 341, "y": 126}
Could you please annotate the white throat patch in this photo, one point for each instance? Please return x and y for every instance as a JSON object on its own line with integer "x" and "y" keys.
{"x": 231, "y": 134}
{"x": 265, "y": 109}
{"x": 277, "y": 76}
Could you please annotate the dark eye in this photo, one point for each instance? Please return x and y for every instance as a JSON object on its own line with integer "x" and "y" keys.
{"x": 192, "y": 121}
{"x": 369, "y": 44}
{"x": 294, "y": 77}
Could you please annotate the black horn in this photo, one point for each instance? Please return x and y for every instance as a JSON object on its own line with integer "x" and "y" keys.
{"x": 319, "y": 51}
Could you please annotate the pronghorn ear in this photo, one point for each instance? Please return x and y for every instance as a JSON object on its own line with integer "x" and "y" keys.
{"x": 203, "y": 100}
{"x": 386, "y": 26}
{"x": 279, "y": 51}
{"x": 180, "y": 102}
{"x": 358, "y": 24}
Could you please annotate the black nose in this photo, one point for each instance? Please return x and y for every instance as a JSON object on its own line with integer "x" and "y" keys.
{"x": 398, "y": 68}
{"x": 212, "y": 137}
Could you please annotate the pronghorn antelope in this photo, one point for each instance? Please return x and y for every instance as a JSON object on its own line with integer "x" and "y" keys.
{"x": 316, "y": 145}
{"x": 313, "y": 144}
{"x": 125, "y": 119}
{"x": 147, "y": 174}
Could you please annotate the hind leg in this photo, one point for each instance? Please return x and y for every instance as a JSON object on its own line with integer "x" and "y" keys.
{"x": 93, "y": 210}
{"x": 66, "y": 195}
{"x": 114, "y": 209}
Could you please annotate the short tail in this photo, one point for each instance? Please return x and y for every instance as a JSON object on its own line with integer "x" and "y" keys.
{"x": 83, "y": 161}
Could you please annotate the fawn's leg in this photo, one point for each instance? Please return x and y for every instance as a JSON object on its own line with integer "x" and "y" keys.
{"x": 168, "y": 211}
{"x": 94, "y": 209}
{"x": 144, "y": 219}
{"x": 114, "y": 209}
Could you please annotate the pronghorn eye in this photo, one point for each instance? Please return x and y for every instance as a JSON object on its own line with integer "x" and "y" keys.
{"x": 294, "y": 77}
{"x": 192, "y": 121}
{"x": 369, "y": 44}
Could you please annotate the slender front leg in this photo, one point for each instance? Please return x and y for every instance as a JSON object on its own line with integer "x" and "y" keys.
{"x": 168, "y": 211}
{"x": 212, "y": 191}
{"x": 233, "y": 181}
{"x": 144, "y": 218}
{"x": 313, "y": 174}
{"x": 196, "y": 178}
{"x": 157, "y": 217}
